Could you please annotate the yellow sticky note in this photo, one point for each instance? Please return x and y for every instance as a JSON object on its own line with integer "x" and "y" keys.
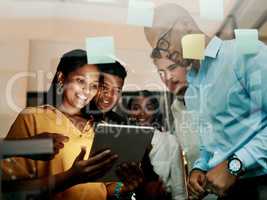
{"x": 193, "y": 46}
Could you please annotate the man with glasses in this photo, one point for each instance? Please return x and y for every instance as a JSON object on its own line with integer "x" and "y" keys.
{"x": 228, "y": 95}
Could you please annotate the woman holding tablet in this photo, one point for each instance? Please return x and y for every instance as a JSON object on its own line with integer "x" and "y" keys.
{"x": 72, "y": 88}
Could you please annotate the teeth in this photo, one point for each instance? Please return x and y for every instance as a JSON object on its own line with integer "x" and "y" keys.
{"x": 105, "y": 101}
{"x": 82, "y": 97}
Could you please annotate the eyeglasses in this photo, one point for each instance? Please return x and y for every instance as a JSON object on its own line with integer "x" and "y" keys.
{"x": 163, "y": 45}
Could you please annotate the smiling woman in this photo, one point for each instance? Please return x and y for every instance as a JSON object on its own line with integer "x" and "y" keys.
{"x": 144, "y": 110}
{"x": 80, "y": 86}
{"x": 73, "y": 87}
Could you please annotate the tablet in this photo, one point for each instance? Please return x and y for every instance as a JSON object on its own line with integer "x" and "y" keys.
{"x": 128, "y": 142}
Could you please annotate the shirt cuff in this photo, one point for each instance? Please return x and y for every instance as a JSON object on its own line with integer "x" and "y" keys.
{"x": 202, "y": 161}
{"x": 245, "y": 157}
{"x": 200, "y": 164}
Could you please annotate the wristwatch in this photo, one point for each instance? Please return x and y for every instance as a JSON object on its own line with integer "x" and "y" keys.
{"x": 235, "y": 166}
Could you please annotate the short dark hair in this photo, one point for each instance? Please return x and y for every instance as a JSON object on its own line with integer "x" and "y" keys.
{"x": 116, "y": 69}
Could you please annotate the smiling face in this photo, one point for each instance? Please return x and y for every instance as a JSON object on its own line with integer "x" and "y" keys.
{"x": 80, "y": 86}
{"x": 172, "y": 75}
{"x": 142, "y": 110}
{"x": 109, "y": 92}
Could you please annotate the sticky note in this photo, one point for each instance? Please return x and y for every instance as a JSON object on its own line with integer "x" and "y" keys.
{"x": 212, "y": 9}
{"x": 140, "y": 13}
{"x": 193, "y": 46}
{"x": 100, "y": 50}
{"x": 247, "y": 40}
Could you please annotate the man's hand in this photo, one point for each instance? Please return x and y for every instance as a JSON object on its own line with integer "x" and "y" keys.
{"x": 131, "y": 174}
{"x": 219, "y": 180}
{"x": 196, "y": 183}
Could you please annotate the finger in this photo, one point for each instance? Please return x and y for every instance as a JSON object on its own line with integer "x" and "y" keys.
{"x": 99, "y": 152}
{"x": 210, "y": 188}
{"x": 137, "y": 173}
{"x": 132, "y": 170}
{"x": 104, "y": 165}
{"x": 193, "y": 190}
{"x": 136, "y": 169}
{"x": 81, "y": 154}
{"x": 131, "y": 185}
{"x": 124, "y": 172}
{"x": 127, "y": 188}
{"x": 198, "y": 188}
{"x": 98, "y": 157}
{"x": 58, "y": 145}
{"x": 59, "y": 137}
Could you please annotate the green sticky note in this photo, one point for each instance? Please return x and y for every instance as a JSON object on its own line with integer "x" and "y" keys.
{"x": 140, "y": 13}
{"x": 247, "y": 40}
{"x": 100, "y": 50}
{"x": 193, "y": 46}
{"x": 211, "y": 9}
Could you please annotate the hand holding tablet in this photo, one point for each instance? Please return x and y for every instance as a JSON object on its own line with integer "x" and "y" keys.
{"x": 128, "y": 142}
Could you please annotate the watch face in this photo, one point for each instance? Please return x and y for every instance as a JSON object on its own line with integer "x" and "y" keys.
{"x": 235, "y": 165}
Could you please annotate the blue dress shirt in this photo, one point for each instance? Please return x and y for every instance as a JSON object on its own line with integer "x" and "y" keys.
{"x": 229, "y": 93}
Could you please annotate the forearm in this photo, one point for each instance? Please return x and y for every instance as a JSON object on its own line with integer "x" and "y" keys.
{"x": 254, "y": 153}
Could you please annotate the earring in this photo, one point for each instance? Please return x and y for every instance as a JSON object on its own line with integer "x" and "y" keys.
{"x": 60, "y": 88}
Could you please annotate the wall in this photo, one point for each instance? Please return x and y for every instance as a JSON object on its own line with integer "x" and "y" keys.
{"x": 13, "y": 87}
{"x": 35, "y": 46}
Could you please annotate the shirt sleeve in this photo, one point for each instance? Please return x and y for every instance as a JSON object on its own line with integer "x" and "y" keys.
{"x": 17, "y": 167}
{"x": 253, "y": 78}
{"x": 177, "y": 177}
{"x": 202, "y": 161}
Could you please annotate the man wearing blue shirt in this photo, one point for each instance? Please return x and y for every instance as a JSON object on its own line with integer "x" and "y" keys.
{"x": 228, "y": 91}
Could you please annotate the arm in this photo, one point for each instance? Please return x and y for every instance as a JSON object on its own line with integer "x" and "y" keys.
{"x": 249, "y": 71}
{"x": 255, "y": 83}
{"x": 82, "y": 171}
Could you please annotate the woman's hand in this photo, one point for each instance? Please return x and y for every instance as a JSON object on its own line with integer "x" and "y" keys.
{"x": 83, "y": 171}
{"x": 131, "y": 174}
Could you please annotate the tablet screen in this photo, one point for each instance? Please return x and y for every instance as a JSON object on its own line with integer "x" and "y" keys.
{"x": 128, "y": 142}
